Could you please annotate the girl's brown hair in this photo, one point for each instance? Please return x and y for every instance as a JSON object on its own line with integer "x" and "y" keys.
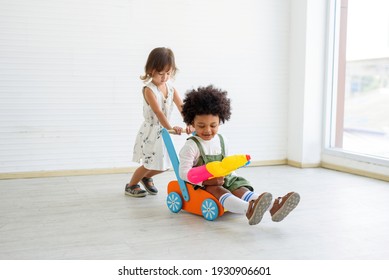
{"x": 158, "y": 60}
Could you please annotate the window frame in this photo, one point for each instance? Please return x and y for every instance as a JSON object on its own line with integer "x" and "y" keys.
{"x": 333, "y": 68}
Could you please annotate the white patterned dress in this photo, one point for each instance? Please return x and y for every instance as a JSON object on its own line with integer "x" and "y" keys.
{"x": 149, "y": 148}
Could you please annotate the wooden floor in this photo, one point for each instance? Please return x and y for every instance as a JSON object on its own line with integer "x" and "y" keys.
{"x": 340, "y": 216}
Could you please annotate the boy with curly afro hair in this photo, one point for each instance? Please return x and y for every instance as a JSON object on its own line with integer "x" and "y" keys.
{"x": 205, "y": 109}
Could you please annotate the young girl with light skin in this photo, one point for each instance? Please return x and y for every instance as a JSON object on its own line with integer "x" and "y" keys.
{"x": 158, "y": 98}
{"x": 205, "y": 109}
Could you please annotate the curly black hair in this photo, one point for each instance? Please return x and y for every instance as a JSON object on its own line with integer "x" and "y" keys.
{"x": 206, "y": 101}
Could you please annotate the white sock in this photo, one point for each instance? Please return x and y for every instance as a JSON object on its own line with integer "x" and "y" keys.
{"x": 233, "y": 203}
{"x": 249, "y": 195}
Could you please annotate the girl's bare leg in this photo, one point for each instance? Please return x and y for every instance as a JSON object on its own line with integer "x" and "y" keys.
{"x": 141, "y": 172}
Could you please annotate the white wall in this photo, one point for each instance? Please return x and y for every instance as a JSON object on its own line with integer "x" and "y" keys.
{"x": 69, "y": 87}
{"x": 306, "y": 84}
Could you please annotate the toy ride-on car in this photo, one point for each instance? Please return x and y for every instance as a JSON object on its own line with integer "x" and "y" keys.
{"x": 183, "y": 195}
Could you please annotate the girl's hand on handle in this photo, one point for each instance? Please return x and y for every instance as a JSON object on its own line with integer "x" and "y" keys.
{"x": 177, "y": 130}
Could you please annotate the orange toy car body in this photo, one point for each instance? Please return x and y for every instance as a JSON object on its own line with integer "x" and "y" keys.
{"x": 200, "y": 202}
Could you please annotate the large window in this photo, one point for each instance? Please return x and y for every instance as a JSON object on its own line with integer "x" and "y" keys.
{"x": 360, "y": 104}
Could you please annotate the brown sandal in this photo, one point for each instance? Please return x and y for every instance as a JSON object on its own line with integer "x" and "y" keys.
{"x": 149, "y": 185}
{"x": 258, "y": 207}
{"x": 283, "y": 206}
{"x": 134, "y": 191}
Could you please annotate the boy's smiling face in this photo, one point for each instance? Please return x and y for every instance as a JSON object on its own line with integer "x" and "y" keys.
{"x": 206, "y": 126}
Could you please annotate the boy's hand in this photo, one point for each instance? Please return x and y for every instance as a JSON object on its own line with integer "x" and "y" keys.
{"x": 189, "y": 129}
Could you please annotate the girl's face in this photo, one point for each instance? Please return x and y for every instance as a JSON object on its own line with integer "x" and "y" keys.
{"x": 161, "y": 77}
{"x": 206, "y": 126}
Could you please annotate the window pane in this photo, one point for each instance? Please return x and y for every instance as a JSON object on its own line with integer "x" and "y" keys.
{"x": 363, "y": 85}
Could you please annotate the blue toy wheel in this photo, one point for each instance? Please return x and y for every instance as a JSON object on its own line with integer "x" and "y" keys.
{"x": 209, "y": 209}
{"x": 174, "y": 202}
